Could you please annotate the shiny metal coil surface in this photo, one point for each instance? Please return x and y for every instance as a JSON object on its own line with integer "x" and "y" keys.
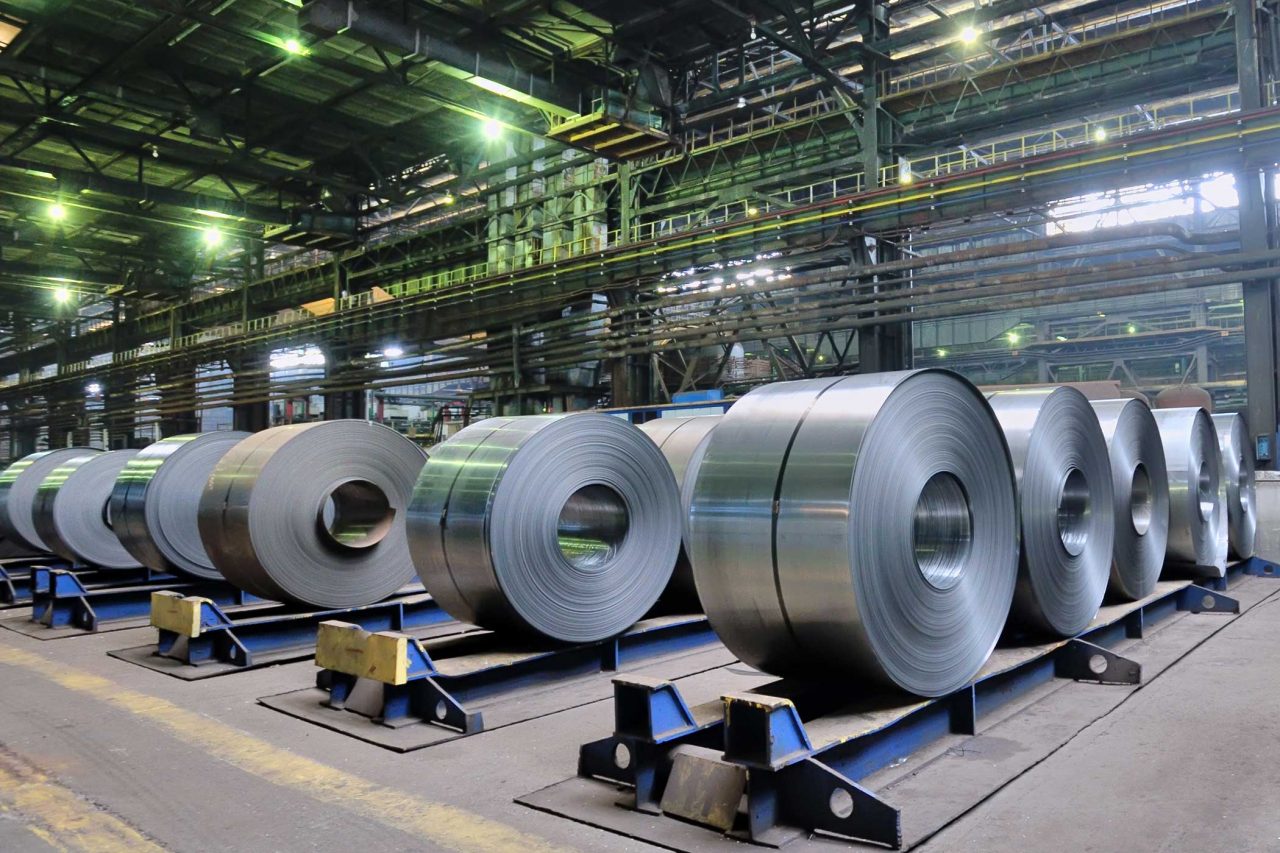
{"x": 1066, "y": 506}
{"x": 861, "y": 525}
{"x": 683, "y": 441}
{"x": 1141, "y": 485}
{"x": 18, "y": 485}
{"x": 313, "y": 514}
{"x": 155, "y": 504}
{"x": 1238, "y": 476}
{"x": 1195, "y": 486}
{"x": 563, "y": 525}
{"x": 72, "y": 510}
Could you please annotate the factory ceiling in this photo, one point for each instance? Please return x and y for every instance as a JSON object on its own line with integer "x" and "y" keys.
{"x": 130, "y": 131}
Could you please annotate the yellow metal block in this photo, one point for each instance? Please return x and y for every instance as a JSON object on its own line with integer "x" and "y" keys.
{"x": 346, "y": 648}
{"x": 171, "y": 611}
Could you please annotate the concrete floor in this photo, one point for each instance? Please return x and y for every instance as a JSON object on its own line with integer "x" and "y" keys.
{"x": 99, "y": 754}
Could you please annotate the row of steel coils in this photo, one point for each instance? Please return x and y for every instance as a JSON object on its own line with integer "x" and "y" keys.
{"x": 887, "y": 526}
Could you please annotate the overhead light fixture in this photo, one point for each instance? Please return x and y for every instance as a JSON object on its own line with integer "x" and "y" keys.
{"x": 742, "y": 102}
{"x": 294, "y": 46}
{"x": 1099, "y": 134}
{"x": 1131, "y": 329}
{"x": 752, "y": 211}
{"x": 61, "y": 295}
{"x": 1014, "y": 338}
{"x": 942, "y": 353}
{"x": 93, "y": 388}
{"x": 393, "y": 351}
{"x": 212, "y": 237}
{"x": 969, "y": 35}
{"x": 492, "y": 129}
{"x": 57, "y": 212}
{"x": 448, "y": 199}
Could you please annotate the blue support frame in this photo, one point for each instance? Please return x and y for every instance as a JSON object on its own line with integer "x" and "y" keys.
{"x": 441, "y": 699}
{"x": 798, "y": 786}
{"x": 61, "y": 599}
{"x": 1255, "y": 566}
{"x": 237, "y": 639}
{"x": 16, "y": 579}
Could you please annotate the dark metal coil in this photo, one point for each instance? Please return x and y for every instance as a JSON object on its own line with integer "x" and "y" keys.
{"x": 1195, "y": 485}
{"x": 313, "y": 514}
{"x": 563, "y": 525}
{"x": 156, "y": 501}
{"x": 1141, "y": 485}
{"x": 1066, "y": 506}
{"x": 683, "y": 441}
{"x": 18, "y": 485}
{"x": 1238, "y": 475}
{"x": 72, "y": 510}
{"x": 863, "y": 525}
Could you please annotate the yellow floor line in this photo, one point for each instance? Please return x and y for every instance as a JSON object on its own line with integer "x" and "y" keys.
{"x": 61, "y": 819}
{"x": 440, "y": 823}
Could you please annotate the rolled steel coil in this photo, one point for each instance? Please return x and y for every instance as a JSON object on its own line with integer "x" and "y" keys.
{"x": 1141, "y": 485}
{"x": 155, "y": 504}
{"x": 1066, "y": 505}
{"x": 313, "y": 514}
{"x": 72, "y": 510}
{"x": 683, "y": 441}
{"x": 563, "y": 525}
{"x": 18, "y": 485}
{"x": 860, "y": 525}
{"x": 1194, "y": 463}
{"x": 1238, "y": 475}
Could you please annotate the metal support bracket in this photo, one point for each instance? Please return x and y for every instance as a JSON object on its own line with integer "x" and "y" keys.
{"x": 1083, "y": 661}
{"x": 763, "y": 731}
{"x": 195, "y": 630}
{"x": 60, "y": 599}
{"x": 393, "y": 679}
{"x": 1198, "y": 599}
{"x": 814, "y": 796}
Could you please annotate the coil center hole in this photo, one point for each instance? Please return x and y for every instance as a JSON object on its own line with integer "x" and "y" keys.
{"x": 1204, "y": 492}
{"x": 592, "y": 524}
{"x": 356, "y": 514}
{"x": 942, "y": 530}
{"x": 1140, "y": 501}
{"x": 1242, "y": 486}
{"x": 106, "y": 514}
{"x": 1073, "y": 512}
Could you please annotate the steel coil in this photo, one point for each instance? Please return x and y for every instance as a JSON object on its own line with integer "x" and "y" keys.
{"x": 563, "y": 525}
{"x": 683, "y": 441}
{"x": 1141, "y": 486}
{"x": 1066, "y": 505}
{"x": 156, "y": 501}
{"x": 863, "y": 525}
{"x": 18, "y": 485}
{"x": 313, "y": 514}
{"x": 1237, "y": 474}
{"x": 1194, "y": 464}
{"x": 72, "y": 510}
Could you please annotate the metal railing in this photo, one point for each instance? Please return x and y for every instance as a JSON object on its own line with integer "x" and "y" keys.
{"x": 1063, "y": 136}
